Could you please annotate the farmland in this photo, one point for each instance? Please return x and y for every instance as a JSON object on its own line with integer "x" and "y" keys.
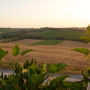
{"x": 49, "y": 45}
{"x": 51, "y": 54}
{"x": 42, "y": 34}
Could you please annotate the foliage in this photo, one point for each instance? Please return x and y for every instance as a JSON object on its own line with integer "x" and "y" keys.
{"x": 16, "y": 50}
{"x": 75, "y": 85}
{"x": 31, "y": 76}
{"x": 3, "y": 53}
{"x": 17, "y": 68}
{"x": 28, "y": 63}
{"x": 57, "y": 83}
{"x": 52, "y": 68}
{"x": 85, "y": 73}
{"x": 82, "y": 50}
{"x": 26, "y": 51}
{"x": 86, "y": 39}
{"x": 88, "y": 30}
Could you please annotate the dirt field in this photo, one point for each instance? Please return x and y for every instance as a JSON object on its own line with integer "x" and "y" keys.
{"x": 25, "y": 41}
{"x": 53, "y": 54}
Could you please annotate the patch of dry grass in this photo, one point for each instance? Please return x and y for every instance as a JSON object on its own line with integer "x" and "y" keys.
{"x": 53, "y": 54}
{"x": 26, "y": 41}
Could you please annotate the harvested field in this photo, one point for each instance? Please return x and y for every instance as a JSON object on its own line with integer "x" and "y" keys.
{"x": 25, "y": 41}
{"x": 53, "y": 54}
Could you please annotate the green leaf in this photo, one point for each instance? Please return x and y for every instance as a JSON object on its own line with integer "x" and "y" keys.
{"x": 16, "y": 50}
{"x": 3, "y": 53}
{"x": 29, "y": 63}
{"x": 57, "y": 82}
{"x": 85, "y": 75}
{"x": 17, "y": 68}
{"x": 82, "y": 50}
{"x": 26, "y": 51}
{"x": 34, "y": 78}
{"x": 37, "y": 78}
{"x": 52, "y": 68}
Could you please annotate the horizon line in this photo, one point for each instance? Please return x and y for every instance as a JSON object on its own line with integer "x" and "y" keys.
{"x": 40, "y": 27}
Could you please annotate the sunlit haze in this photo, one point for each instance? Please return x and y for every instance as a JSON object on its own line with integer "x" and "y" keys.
{"x": 44, "y": 13}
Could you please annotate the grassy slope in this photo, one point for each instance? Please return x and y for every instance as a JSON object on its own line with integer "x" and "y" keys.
{"x": 46, "y": 33}
{"x": 62, "y": 34}
{"x": 7, "y": 30}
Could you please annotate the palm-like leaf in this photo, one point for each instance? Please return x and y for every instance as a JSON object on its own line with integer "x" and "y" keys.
{"x": 17, "y": 68}
{"x": 52, "y": 68}
{"x": 29, "y": 63}
{"x": 34, "y": 78}
{"x": 3, "y": 53}
{"x": 57, "y": 83}
{"x": 82, "y": 50}
{"x": 25, "y": 52}
{"x": 16, "y": 50}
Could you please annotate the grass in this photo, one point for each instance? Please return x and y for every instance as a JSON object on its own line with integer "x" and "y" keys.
{"x": 8, "y": 30}
{"x": 62, "y": 34}
{"x": 67, "y": 34}
{"x": 48, "y": 42}
{"x": 43, "y": 34}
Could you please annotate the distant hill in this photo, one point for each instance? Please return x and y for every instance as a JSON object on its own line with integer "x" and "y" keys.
{"x": 13, "y": 34}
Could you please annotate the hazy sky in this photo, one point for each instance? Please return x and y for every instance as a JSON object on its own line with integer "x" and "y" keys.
{"x": 44, "y": 13}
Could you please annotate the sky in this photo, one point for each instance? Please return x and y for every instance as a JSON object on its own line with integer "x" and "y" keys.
{"x": 44, "y": 13}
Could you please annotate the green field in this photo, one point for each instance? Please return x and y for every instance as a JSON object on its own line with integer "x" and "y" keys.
{"x": 48, "y": 42}
{"x": 7, "y": 30}
{"x": 61, "y": 35}
{"x": 42, "y": 34}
